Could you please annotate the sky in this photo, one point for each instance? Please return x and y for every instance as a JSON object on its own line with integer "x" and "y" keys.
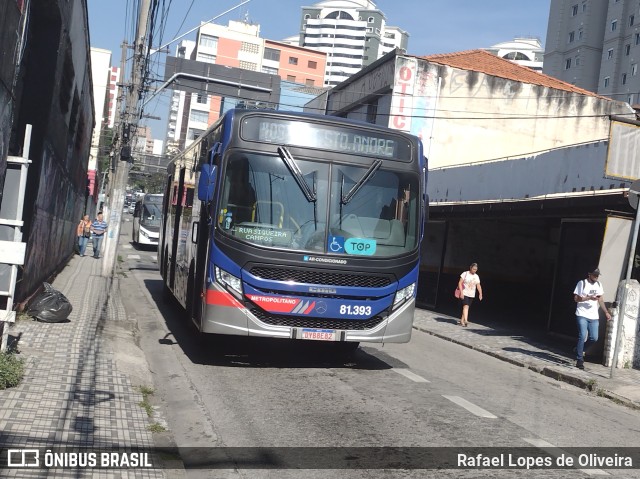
{"x": 434, "y": 26}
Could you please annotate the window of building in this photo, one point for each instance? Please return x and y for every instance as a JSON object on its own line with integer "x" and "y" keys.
{"x": 310, "y": 82}
{"x": 637, "y": 38}
{"x": 571, "y": 37}
{"x": 370, "y": 20}
{"x": 624, "y": 78}
{"x": 199, "y": 116}
{"x": 293, "y": 61}
{"x": 249, "y": 47}
{"x": 271, "y": 54}
{"x": 291, "y": 78}
{"x": 577, "y": 62}
{"x": 614, "y": 25}
{"x": 630, "y": 99}
{"x": 307, "y": 16}
{"x": 194, "y": 133}
{"x": 248, "y": 65}
{"x": 269, "y": 70}
{"x": 372, "y": 112}
{"x": 627, "y": 49}
{"x": 311, "y": 64}
{"x": 370, "y": 29}
{"x": 516, "y": 56}
{"x": 206, "y": 57}
{"x": 567, "y": 63}
{"x": 606, "y": 82}
{"x": 632, "y": 19}
{"x": 580, "y": 34}
{"x": 634, "y": 69}
{"x": 584, "y": 6}
{"x": 208, "y": 41}
{"x": 574, "y": 10}
{"x": 609, "y": 53}
{"x": 201, "y": 98}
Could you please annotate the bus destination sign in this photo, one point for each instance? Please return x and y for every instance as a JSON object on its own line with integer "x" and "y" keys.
{"x": 314, "y": 135}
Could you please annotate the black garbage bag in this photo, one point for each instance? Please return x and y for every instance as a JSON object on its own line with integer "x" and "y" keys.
{"x": 50, "y": 306}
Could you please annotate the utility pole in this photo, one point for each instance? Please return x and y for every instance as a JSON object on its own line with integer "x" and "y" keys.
{"x": 125, "y": 131}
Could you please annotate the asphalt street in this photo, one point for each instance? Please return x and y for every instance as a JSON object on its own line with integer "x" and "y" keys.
{"x": 247, "y": 393}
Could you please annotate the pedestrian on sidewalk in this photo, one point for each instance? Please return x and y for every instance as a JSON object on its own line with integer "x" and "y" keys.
{"x": 468, "y": 283}
{"x": 589, "y": 294}
{"x": 98, "y": 228}
{"x": 83, "y": 233}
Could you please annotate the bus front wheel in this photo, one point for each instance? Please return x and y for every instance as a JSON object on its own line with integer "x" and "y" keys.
{"x": 193, "y": 306}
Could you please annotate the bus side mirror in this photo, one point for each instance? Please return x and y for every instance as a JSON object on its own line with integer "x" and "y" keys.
{"x": 207, "y": 182}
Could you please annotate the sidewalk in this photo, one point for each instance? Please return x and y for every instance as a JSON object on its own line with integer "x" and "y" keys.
{"x": 521, "y": 349}
{"x": 75, "y": 393}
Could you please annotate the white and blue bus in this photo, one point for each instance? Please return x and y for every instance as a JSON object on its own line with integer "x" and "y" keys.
{"x": 147, "y": 220}
{"x": 288, "y": 225}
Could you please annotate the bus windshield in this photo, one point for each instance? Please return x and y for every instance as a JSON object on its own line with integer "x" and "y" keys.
{"x": 151, "y": 214}
{"x": 264, "y": 204}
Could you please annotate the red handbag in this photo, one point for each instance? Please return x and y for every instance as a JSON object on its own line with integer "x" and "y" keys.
{"x": 458, "y": 294}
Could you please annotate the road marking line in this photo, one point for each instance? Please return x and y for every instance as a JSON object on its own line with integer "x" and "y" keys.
{"x": 472, "y": 408}
{"x": 127, "y": 246}
{"x": 133, "y": 256}
{"x": 556, "y": 451}
{"x": 413, "y": 376}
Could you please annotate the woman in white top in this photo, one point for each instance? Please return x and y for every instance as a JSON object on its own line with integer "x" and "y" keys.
{"x": 468, "y": 283}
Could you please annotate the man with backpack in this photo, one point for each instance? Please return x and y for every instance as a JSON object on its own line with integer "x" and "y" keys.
{"x": 588, "y": 294}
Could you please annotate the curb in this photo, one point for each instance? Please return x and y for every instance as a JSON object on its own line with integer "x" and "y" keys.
{"x": 165, "y": 446}
{"x": 586, "y": 384}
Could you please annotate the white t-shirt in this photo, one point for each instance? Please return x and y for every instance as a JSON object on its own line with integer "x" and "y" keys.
{"x": 469, "y": 283}
{"x": 588, "y": 309}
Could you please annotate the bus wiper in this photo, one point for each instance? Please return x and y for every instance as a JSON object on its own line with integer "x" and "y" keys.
{"x": 297, "y": 174}
{"x": 360, "y": 183}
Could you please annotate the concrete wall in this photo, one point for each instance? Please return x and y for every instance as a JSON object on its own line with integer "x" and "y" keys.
{"x": 500, "y": 118}
{"x": 11, "y": 28}
{"x": 57, "y": 99}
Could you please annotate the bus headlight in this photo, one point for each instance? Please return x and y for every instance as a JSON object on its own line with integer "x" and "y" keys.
{"x": 228, "y": 280}
{"x": 404, "y": 294}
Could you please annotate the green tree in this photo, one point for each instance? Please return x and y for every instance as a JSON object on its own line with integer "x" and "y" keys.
{"x": 104, "y": 149}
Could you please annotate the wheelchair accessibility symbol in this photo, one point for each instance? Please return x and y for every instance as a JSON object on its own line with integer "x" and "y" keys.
{"x": 335, "y": 244}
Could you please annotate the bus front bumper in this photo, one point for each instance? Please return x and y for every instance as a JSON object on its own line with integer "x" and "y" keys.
{"x": 226, "y": 315}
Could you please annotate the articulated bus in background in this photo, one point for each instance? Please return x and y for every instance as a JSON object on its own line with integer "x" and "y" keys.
{"x": 147, "y": 220}
{"x": 296, "y": 226}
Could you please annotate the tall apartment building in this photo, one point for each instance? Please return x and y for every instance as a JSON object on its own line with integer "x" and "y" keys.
{"x": 145, "y": 144}
{"x": 595, "y": 44}
{"x": 114, "y": 91}
{"x": 101, "y": 78}
{"x": 353, "y": 34}
{"x": 237, "y": 45}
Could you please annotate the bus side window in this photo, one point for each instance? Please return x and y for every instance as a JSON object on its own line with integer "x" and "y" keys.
{"x": 189, "y": 197}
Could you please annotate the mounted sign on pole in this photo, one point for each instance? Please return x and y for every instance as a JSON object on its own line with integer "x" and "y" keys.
{"x": 623, "y": 155}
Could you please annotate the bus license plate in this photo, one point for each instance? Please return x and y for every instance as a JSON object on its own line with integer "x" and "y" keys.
{"x": 318, "y": 334}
